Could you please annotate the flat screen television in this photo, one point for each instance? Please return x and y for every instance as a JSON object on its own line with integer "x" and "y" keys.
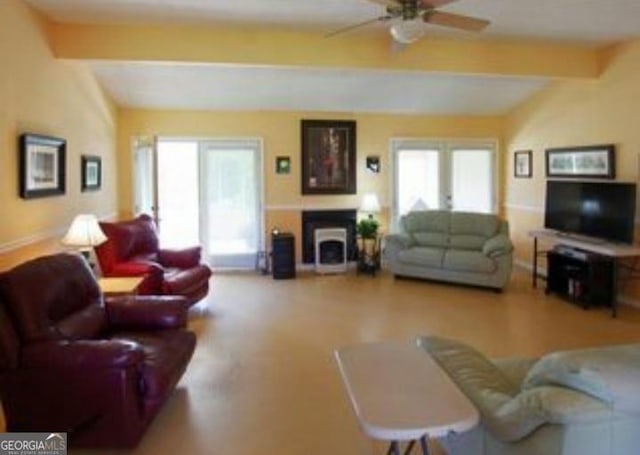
{"x": 594, "y": 209}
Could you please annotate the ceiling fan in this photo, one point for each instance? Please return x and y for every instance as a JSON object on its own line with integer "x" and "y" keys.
{"x": 409, "y": 15}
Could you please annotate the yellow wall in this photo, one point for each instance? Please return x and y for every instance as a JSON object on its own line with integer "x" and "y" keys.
{"x": 40, "y": 94}
{"x": 571, "y": 113}
{"x": 280, "y": 132}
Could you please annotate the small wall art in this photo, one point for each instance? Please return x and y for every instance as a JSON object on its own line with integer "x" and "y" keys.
{"x": 42, "y": 166}
{"x": 283, "y": 165}
{"x": 91, "y": 173}
{"x": 522, "y": 164}
{"x": 593, "y": 161}
{"x": 373, "y": 164}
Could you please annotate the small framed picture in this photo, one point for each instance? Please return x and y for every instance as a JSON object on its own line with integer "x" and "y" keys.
{"x": 283, "y": 165}
{"x": 91, "y": 173}
{"x": 522, "y": 167}
{"x": 373, "y": 164}
{"x": 42, "y": 166}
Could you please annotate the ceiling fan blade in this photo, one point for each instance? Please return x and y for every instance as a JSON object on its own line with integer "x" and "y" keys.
{"x": 348, "y": 28}
{"x": 387, "y": 2}
{"x": 432, "y": 4}
{"x": 470, "y": 24}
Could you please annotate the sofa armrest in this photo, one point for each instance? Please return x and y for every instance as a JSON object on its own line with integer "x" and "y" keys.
{"x": 136, "y": 268}
{"x": 147, "y": 313}
{"x": 394, "y": 243}
{"x": 82, "y": 354}
{"x": 497, "y": 246}
{"x": 532, "y": 408}
{"x": 182, "y": 259}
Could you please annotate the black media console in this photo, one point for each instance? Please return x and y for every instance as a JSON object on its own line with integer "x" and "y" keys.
{"x": 583, "y": 277}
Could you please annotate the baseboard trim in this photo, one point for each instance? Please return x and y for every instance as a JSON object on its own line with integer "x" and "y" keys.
{"x": 43, "y": 235}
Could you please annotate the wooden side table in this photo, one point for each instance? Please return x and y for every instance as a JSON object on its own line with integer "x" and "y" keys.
{"x": 369, "y": 254}
{"x": 114, "y": 286}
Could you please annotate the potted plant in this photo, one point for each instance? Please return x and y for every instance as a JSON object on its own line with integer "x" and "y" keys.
{"x": 367, "y": 228}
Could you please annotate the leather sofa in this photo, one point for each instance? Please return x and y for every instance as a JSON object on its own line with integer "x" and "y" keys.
{"x": 132, "y": 249}
{"x": 580, "y": 402}
{"x": 71, "y": 362}
{"x": 459, "y": 247}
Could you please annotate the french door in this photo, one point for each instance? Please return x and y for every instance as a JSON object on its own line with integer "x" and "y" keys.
{"x": 206, "y": 192}
{"x": 445, "y": 175}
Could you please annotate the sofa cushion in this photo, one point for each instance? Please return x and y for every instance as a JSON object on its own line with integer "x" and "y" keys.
{"x": 480, "y": 224}
{"x": 422, "y": 256}
{"x": 611, "y": 374}
{"x": 426, "y": 221}
{"x": 467, "y": 242}
{"x": 435, "y": 239}
{"x": 468, "y": 261}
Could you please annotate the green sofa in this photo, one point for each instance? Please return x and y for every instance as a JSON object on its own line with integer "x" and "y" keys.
{"x": 583, "y": 402}
{"x": 459, "y": 247}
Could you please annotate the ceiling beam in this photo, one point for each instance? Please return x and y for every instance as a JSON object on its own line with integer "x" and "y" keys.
{"x": 254, "y": 45}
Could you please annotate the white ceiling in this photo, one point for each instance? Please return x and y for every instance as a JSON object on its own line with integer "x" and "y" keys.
{"x": 589, "y": 21}
{"x": 219, "y": 87}
{"x": 209, "y": 87}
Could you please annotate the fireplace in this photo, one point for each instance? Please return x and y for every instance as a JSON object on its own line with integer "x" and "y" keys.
{"x": 322, "y": 219}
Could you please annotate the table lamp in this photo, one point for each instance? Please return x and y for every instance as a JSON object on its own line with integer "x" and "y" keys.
{"x": 370, "y": 204}
{"x": 83, "y": 234}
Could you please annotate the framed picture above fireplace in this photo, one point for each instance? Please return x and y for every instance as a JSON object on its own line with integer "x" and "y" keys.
{"x": 328, "y": 156}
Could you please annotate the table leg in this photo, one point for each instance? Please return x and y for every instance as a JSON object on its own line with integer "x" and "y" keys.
{"x": 409, "y": 448}
{"x": 534, "y": 273}
{"x": 394, "y": 448}
{"x": 424, "y": 445}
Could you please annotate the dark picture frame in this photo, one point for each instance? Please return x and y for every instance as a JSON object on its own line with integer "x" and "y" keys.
{"x": 592, "y": 161}
{"x": 91, "y": 173}
{"x": 42, "y": 165}
{"x": 523, "y": 164}
{"x": 328, "y": 156}
{"x": 283, "y": 165}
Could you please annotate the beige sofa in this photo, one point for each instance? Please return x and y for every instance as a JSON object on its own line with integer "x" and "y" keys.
{"x": 459, "y": 247}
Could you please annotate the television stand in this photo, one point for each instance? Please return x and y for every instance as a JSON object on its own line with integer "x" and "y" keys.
{"x": 616, "y": 252}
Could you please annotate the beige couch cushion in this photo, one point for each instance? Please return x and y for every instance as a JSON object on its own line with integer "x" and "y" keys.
{"x": 422, "y": 256}
{"x": 468, "y": 261}
{"x": 478, "y": 224}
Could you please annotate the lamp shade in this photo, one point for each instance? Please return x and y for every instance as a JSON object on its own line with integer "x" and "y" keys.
{"x": 407, "y": 31}
{"x": 84, "y": 232}
{"x": 370, "y": 203}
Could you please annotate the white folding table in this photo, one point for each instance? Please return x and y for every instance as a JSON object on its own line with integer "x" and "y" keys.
{"x": 400, "y": 394}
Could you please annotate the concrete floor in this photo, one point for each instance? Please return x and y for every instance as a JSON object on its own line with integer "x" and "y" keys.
{"x": 263, "y": 380}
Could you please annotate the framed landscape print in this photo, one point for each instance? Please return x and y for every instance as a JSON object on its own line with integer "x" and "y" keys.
{"x": 328, "y": 157}
{"x": 594, "y": 161}
{"x": 91, "y": 173}
{"x": 42, "y": 166}
{"x": 522, "y": 167}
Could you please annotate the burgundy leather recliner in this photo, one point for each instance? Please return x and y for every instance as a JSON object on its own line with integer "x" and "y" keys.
{"x": 71, "y": 362}
{"x": 132, "y": 249}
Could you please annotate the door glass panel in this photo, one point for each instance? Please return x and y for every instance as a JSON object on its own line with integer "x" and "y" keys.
{"x": 418, "y": 180}
{"x": 143, "y": 180}
{"x": 472, "y": 180}
{"x": 178, "y": 193}
{"x": 233, "y": 226}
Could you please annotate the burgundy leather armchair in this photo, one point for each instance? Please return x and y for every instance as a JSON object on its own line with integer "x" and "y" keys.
{"x": 132, "y": 249}
{"x": 71, "y": 362}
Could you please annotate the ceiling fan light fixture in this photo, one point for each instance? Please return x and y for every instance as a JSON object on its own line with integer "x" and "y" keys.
{"x": 407, "y": 32}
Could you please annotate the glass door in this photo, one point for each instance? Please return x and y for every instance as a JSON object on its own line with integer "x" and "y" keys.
{"x": 144, "y": 181}
{"x": 442, "y": 175}
{"x": 232, "y": 221}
